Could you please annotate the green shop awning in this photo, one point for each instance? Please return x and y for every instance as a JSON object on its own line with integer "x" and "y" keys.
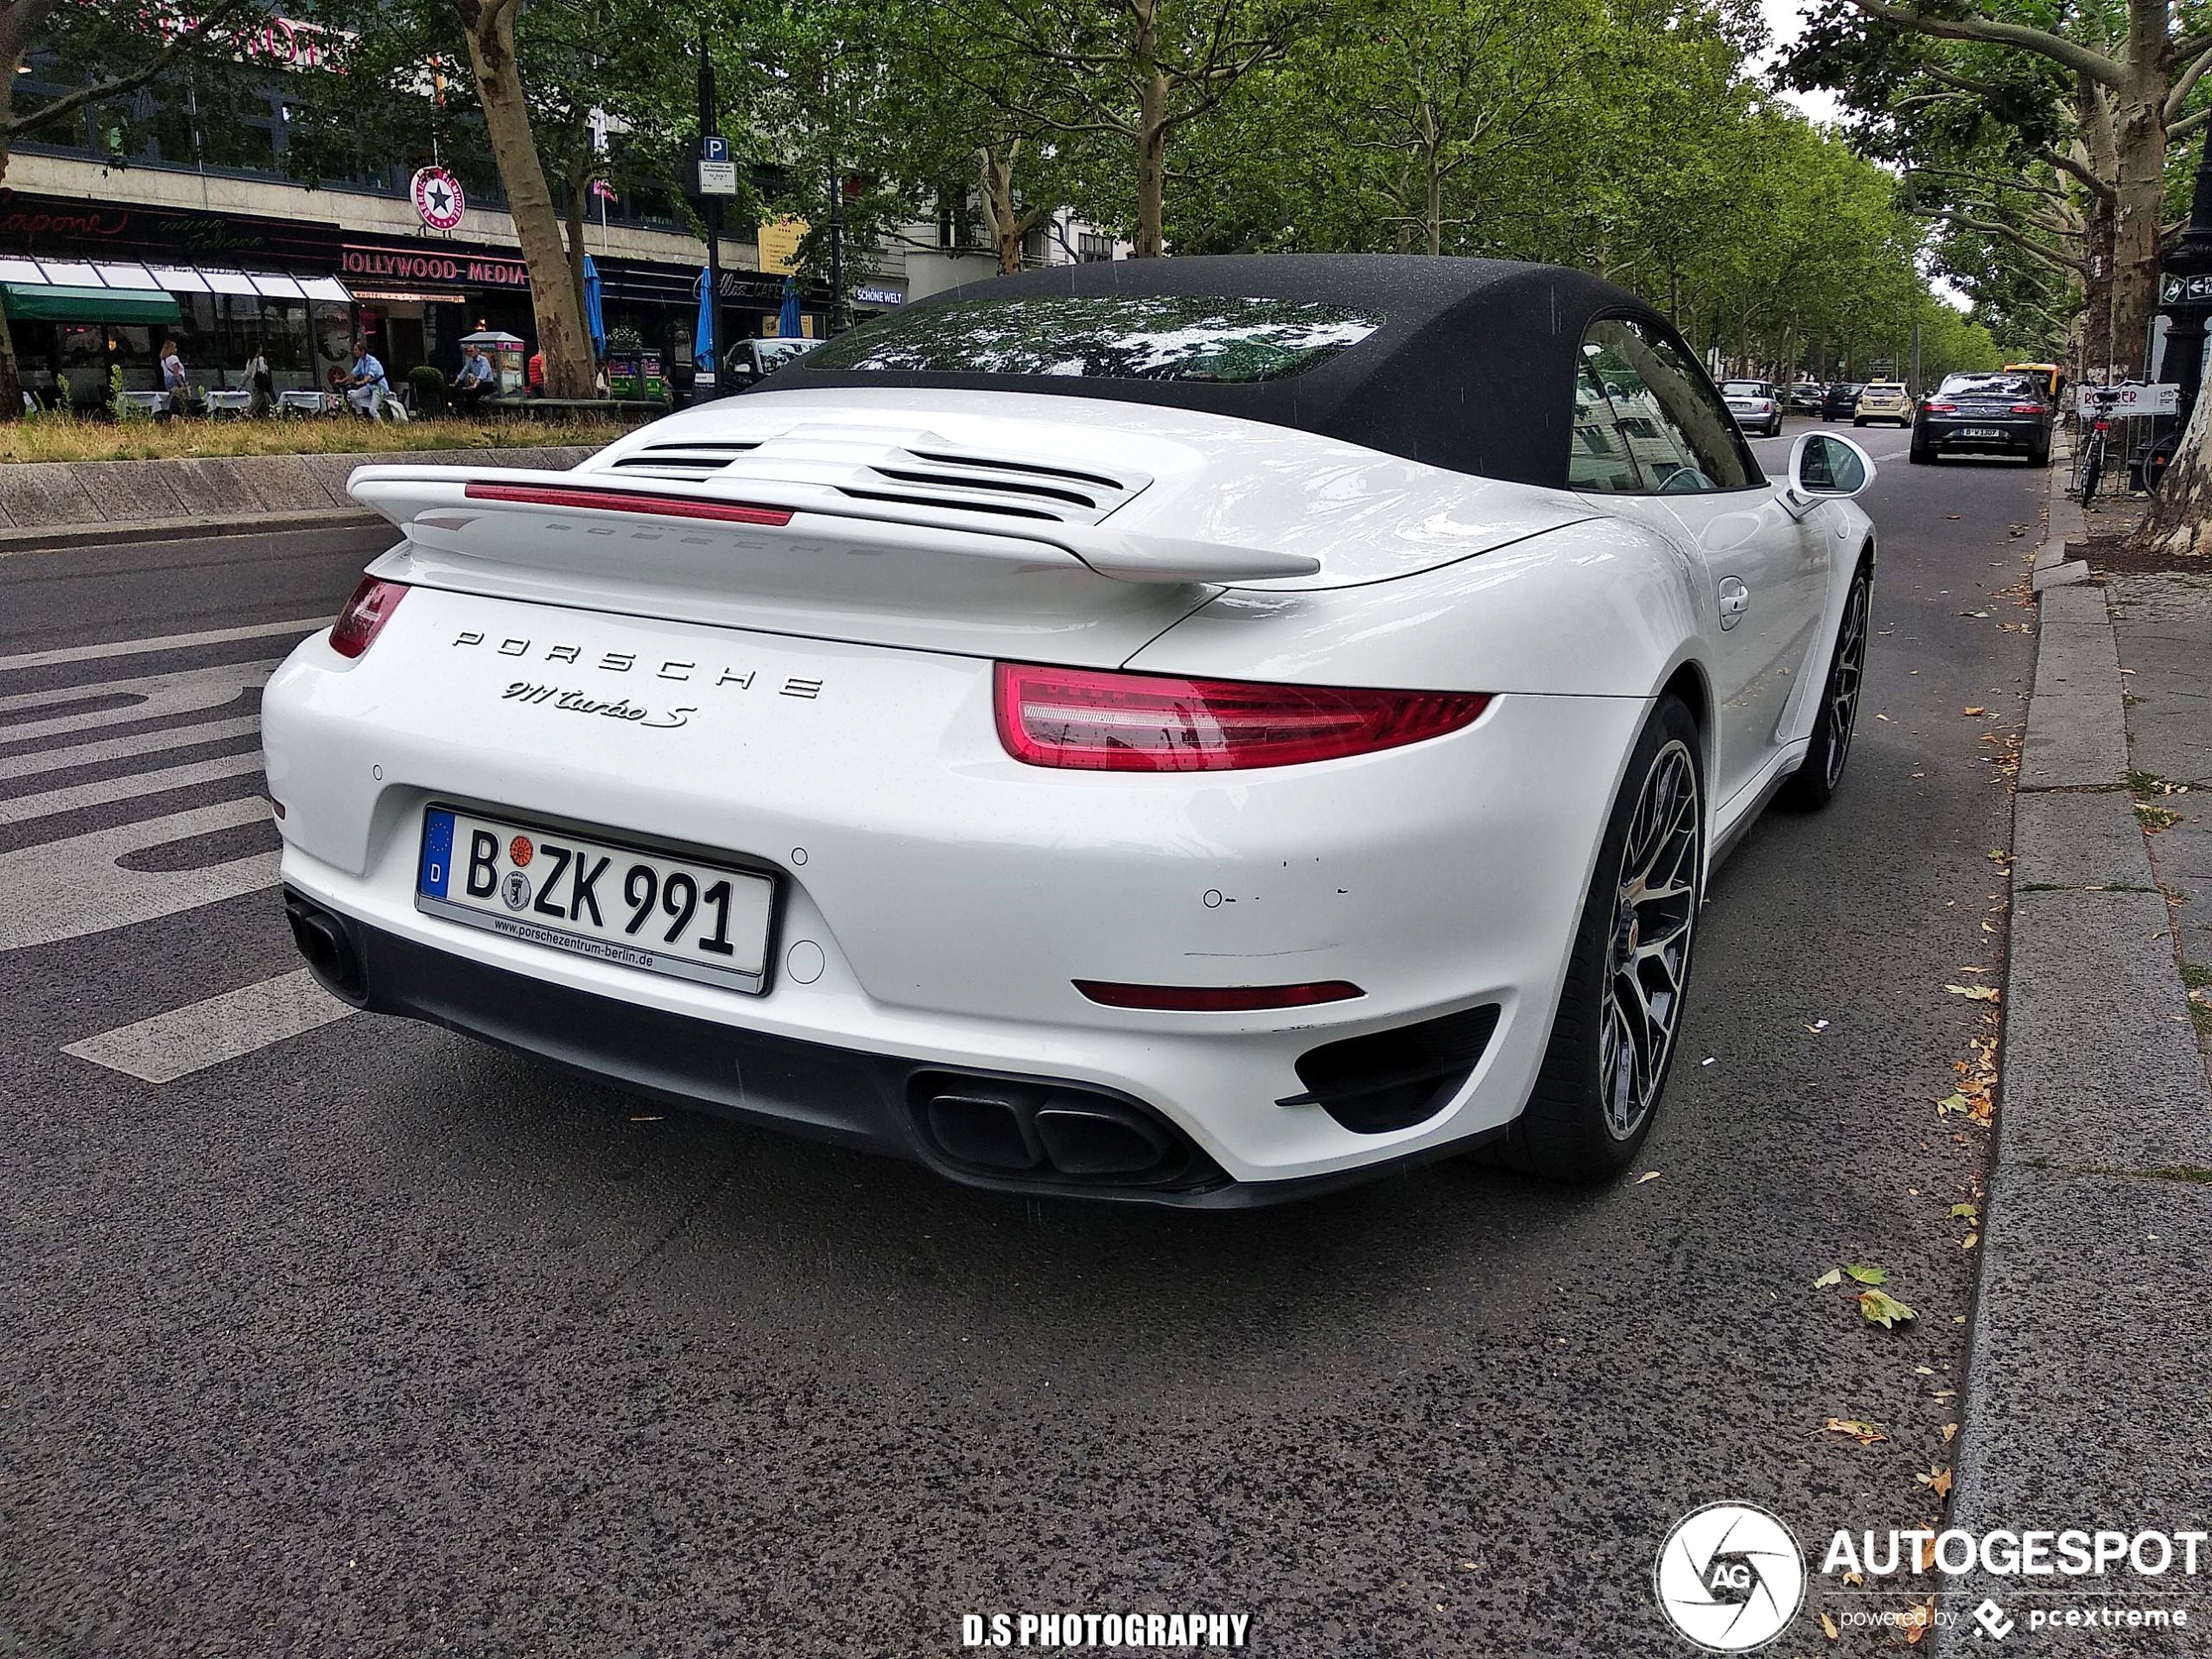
{"x": 41, "y": 302}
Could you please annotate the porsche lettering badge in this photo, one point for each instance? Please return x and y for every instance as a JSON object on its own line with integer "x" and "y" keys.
{"x": 682, "y": 670}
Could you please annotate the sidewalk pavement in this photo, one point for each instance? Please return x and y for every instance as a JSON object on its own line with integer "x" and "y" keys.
{"x": 2089, "y": 1373}
{"x": 46, "y": 505}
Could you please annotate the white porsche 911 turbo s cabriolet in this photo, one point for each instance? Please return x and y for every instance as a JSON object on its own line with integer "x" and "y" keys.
{"x": 1199, "y": 731}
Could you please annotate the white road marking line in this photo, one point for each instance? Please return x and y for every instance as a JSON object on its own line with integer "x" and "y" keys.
{"x": 68, "y": 889}
{"x": 22, "y": 809}
{"x": 166, "y": 642}
{"x": 139, "y": 743}
{"x": 159, "y": 694}
{"x": 200, "y": 1034}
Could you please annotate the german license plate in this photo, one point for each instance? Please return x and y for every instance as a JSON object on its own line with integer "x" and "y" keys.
{"x": 1979, "y": 432}
{"x": 597, "y": 897}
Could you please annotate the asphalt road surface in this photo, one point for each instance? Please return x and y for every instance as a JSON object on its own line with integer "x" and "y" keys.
{"x": 353, "y": 1336}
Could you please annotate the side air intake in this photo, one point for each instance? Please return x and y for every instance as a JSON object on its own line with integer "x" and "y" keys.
{"x": 1393, "y": 1080}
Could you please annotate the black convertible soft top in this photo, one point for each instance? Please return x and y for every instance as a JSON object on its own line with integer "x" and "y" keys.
{"x": 1471, "y": 367}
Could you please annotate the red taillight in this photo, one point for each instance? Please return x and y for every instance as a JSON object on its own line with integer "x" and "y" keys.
{"x": 1934, "y": 408}
{"x": 1216, "y": 999}
{"x": 365, "y": 615}
{"x": 1107, "y": 722}
{"x": 2027, "y": 408}
{"x": 618, "y": 500}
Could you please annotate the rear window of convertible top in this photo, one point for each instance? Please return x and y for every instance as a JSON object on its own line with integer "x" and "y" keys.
{"x": 1123, "y": 337}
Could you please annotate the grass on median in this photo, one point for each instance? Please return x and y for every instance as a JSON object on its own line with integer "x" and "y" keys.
{"x": 53, "y": 438}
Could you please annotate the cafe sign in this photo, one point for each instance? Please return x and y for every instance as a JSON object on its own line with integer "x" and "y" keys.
{"x": 438, "y": 200}
{"x": 407, "y": 265}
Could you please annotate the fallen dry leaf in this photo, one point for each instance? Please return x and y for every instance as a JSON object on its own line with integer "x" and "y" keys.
{"x": 1970, "y": 1240}
{"x": 1950, "y": 1432}
{"x": 1869, "y": 1275}
{"x": 1964, "y": 1212}
{"x": 1829, "y": 1628}
{"x": 1864, "y": 1434}
{"x": 1648, "y": 1175}
{"x": 1974, "y": 993}
{"x": 1879, "y": 1307}
{"x": 1917, "y": 1621}
{"x": 1977, "y": 709}
{"x": 1936, "y": 1481}
{"x": 1833, "y": 1276}
{"x": 1855, "y": 1579}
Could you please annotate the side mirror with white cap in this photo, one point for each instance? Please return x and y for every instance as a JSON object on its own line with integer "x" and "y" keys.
{"x": 1823, "y": 467}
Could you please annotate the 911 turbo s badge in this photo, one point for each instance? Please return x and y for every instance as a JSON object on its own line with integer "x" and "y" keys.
{"x": 692, "y": 672}
{"x": 576, "y": 702}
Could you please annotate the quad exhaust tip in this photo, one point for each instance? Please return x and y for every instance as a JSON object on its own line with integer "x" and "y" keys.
{"x": 322, "y": 939}
{"x": 1045, "y": 1132}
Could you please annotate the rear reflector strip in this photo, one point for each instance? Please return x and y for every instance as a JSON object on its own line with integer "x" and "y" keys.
{"x": 1214, "y": 998}
{"x": 617, "y": 501}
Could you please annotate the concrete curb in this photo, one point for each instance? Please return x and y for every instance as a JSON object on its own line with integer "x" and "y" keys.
{"x": 2086, "y": 1384}
{"x": 61, "y": 504}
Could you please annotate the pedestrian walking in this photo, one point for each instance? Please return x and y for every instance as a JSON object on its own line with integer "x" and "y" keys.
{"x": 260, "y": 384}
{"x": 176, "y": 385}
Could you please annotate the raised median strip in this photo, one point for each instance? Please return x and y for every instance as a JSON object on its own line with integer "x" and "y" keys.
{"x": 2087, "y": 1388}
{"x": 74, "y": 503}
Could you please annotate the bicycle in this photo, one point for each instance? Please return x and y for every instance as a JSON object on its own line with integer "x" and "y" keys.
{"x": 2090, "y": 470}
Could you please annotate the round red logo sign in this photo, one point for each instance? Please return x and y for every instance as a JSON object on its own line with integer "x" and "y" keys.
{"x": 438, "y": 199}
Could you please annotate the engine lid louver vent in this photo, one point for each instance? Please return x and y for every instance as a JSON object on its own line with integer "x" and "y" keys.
{"x": 994, "y": 484}
{"x": 910, "y": 468}
{"x": 700, "y": 458}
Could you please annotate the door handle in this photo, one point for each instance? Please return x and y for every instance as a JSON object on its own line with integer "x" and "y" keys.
{"x": 1736, "y": 599}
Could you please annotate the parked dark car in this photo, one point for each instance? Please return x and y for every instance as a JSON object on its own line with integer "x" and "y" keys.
{"x": 1984, "y": 414}
{"x": 1804, "y": 397}
{"x": 1840, "y": 400}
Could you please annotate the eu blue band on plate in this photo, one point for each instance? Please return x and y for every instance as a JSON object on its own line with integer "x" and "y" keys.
{"x": 437, "y": 852}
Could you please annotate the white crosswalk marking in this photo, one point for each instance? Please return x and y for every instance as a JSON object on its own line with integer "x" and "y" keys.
{"x": 76, "y": 887}
{"x": 137, "y": 743}
{"x": 185, "y": 692}
{"x": 21, "y": 809}
{"x": 67, "y": 889}
{"x": 166, "y": 642}
{"x": 205, "y": 1034}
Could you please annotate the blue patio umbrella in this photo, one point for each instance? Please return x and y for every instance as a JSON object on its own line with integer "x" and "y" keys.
{"x": 787, "y": 322}
{"x": 703, "y": 336}
{"x": 594, "y": 318}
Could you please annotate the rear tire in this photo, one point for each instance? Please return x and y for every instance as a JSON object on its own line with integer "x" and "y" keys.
{"x": 1919, "y": 454}
{"x": 2039, "y": 454}
{"x": 1857, "y": 421}
{"x": 1620, "y": 1009}
{"x": 1813, "y": 784}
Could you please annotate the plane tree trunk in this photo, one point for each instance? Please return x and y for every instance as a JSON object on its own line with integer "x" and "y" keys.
{"x": 490, "y": 26}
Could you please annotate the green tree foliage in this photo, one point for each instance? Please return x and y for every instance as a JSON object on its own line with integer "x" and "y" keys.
{"x": 108, "y": 57}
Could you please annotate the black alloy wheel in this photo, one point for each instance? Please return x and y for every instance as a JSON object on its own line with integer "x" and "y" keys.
{"x": 1814, "y": 783}
{"x": 1613, "y": 1039}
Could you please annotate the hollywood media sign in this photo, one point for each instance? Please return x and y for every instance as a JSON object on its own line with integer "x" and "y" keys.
{"x": 459, "y": 268}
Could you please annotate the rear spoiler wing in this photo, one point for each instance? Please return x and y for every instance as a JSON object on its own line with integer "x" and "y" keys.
{"x": 447, "y": 498}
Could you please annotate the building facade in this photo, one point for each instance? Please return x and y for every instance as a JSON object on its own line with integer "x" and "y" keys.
{"x": 104, "y": 256}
